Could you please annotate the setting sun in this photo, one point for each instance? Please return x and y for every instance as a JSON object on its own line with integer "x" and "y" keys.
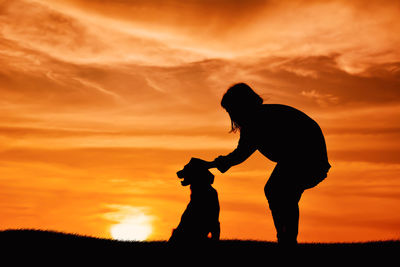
{"x": 136, "y": 228}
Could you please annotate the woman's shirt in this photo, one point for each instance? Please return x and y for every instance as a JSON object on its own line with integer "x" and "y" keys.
{"x": 282, "y": 134}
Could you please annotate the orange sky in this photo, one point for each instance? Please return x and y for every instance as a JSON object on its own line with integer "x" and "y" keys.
{"x": 101, "y": 103}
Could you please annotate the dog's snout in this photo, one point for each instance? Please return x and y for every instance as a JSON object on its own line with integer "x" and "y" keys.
{"x": 180, "y": 174}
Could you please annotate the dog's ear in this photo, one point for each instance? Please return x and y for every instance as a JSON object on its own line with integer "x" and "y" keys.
{"x": 196, "y": 163}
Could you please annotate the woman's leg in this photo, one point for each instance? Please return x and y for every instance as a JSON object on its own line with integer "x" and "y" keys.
{"x": 283, "y": 196}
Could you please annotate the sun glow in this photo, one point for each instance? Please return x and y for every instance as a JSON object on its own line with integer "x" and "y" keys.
{"x": 134, "y": 223}
{"x": 137, "y": 227}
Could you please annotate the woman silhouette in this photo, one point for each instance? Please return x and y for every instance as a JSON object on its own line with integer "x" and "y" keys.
{"x": 284, "y": 135}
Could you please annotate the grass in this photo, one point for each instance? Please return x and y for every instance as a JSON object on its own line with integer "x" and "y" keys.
{"x": 43, "y": 245}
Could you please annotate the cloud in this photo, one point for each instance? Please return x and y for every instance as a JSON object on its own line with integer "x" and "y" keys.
{"x": 152, "y": 32}
{"x": 322, "y": 100}
{"x": 74, "y": 39}
{"x": 133, "y": 105}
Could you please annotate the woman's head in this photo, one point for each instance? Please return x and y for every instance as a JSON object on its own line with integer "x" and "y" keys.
{"x": 239, "y": 101}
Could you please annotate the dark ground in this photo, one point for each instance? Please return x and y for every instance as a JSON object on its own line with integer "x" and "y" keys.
{"x": 54, "y": 248}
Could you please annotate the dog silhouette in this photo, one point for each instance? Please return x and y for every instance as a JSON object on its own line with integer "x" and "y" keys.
{"x": 200, "y": 220}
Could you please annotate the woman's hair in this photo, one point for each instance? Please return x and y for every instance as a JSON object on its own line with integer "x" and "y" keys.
{"x": 240, "y": 97}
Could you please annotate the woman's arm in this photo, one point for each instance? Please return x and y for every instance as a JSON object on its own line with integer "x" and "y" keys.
{"x": 242, "y": 152}
{"x": 205, "y": 164}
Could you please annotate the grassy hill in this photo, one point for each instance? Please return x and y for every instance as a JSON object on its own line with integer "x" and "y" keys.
{"x": 45, "y": 245}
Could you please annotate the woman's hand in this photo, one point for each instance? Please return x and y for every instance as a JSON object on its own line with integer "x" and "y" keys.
{"x": 206, "y": 164}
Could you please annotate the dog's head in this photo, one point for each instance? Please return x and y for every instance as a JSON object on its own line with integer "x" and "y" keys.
{"x": 194, "y": 173}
